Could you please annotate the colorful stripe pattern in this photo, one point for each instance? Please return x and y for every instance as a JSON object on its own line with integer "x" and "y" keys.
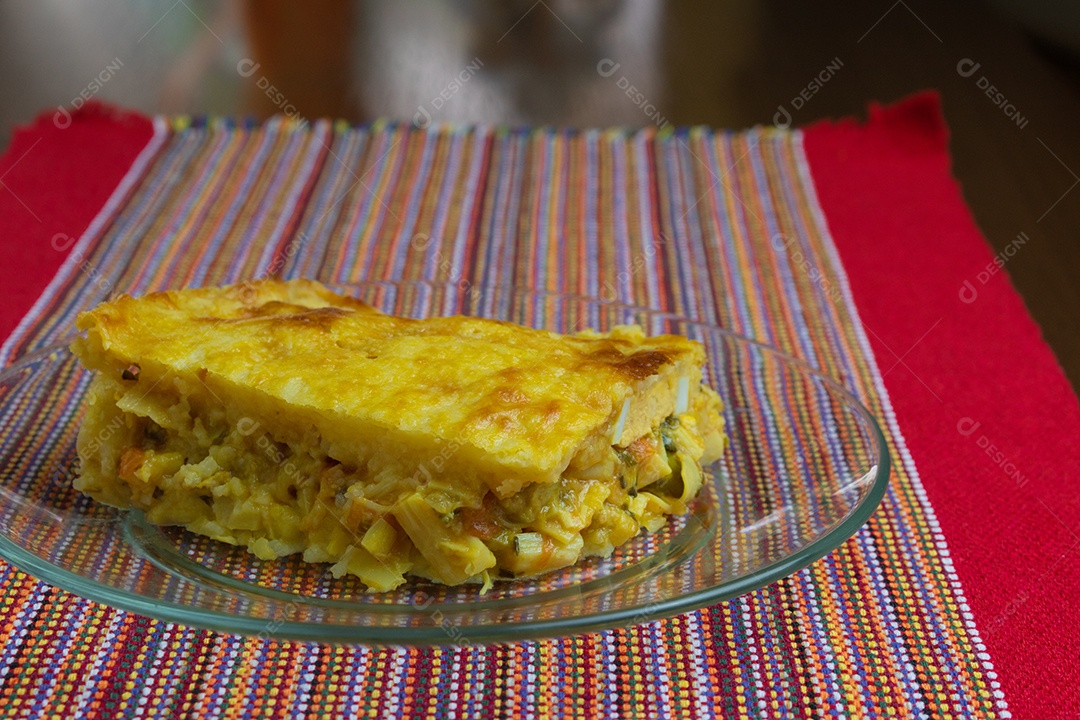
{"x": 723, "y": 227}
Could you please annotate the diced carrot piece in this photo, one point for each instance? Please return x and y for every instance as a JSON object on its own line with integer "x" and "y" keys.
{"x": 480, "y": 522}
{"x": 130, "y": 462}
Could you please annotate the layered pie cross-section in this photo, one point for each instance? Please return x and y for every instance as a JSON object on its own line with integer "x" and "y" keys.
{"x": 285, "y": 418}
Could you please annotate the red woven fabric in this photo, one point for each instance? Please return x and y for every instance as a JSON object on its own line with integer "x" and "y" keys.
{"x": 992, "y": 424}
{"x": 989, "y": 417}
{"x": 56, "y": 174}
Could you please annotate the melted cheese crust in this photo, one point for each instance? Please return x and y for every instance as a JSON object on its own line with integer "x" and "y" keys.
{"x": 453, "y": 447}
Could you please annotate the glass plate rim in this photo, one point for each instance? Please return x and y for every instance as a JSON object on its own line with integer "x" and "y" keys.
{"x": 217, "y": 621}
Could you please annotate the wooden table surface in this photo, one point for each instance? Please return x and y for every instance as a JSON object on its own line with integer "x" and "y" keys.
{"x": 573, "y": 62}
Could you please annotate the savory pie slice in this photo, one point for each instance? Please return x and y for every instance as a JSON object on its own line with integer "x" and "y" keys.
{"x": 285, "y": 418}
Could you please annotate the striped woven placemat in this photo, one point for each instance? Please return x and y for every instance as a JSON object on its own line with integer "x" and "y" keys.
{"x": 723, "y": 227}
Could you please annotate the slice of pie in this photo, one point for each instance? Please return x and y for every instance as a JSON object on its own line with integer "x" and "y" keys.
{"x": 288, "y": 419}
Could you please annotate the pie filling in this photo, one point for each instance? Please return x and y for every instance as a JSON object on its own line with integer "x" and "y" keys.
{"x": 170, "y": 449}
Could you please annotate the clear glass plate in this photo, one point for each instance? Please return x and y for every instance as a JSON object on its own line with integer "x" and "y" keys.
{"x": 806, "y": 467}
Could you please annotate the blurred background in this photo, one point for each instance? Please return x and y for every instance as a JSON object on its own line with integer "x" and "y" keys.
{"x": 1008, "y": 72}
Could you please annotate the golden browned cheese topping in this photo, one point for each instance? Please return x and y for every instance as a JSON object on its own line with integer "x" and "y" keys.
{"x": 525, "y": 399}
{"x": 632, "y": 364}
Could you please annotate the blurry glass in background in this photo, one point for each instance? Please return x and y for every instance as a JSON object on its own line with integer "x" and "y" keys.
{"x": 491, "y": 61}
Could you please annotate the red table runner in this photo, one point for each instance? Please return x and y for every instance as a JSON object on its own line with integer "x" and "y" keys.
{"x": 989, "y": 418}
{"x": 988, "y": 413}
